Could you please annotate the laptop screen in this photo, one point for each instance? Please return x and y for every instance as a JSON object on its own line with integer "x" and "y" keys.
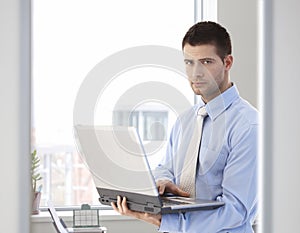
{"x": 116, "y": 158}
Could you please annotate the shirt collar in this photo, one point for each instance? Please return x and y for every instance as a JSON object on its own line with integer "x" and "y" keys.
{"x": 220, "y": 103}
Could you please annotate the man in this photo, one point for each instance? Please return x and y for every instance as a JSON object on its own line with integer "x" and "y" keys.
{"x": 227, "y": 157}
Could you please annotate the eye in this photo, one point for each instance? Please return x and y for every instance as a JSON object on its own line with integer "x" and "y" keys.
{"x": 188, "y": 62}
{"x": 207, "y": 61}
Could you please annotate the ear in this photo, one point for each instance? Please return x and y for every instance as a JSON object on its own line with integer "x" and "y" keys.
{"x": 228, "y": 61}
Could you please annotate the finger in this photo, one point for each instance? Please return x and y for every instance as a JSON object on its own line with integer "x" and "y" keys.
{"x": 172, "y": 188}
{"x": 124, "y": 205}
{"x": 127, "y": 211}
{"x": 117, "y": 206}
{"x": 120, "y": 209}
{"x": 161, "y": 189}
{"x": 182, "y": 193}
{"x": 125, "y": 208}
{"x": 161, "y": 186}
{"x": 176, "y": 190}
{"x": 118, "y": 200}
{"x": 113, "y": 205}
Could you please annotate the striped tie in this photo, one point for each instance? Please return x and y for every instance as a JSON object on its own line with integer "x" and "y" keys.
{"x": 188, "y": 176}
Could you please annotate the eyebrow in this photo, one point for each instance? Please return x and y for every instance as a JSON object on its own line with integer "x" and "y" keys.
{"x": 206, "y": 58}
{"x": 201, "y": 59}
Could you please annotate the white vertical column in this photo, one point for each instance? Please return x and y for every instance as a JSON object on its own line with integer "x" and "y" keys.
{"x": 205, "y": 10}
{"x": 280, "y": 103}
{"x": 266, "y": 108}
{"x": 15, "y": 115}
{"x": 210, "y": 10}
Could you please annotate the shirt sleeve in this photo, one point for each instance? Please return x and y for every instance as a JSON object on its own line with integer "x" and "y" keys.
{"x": 239, "y": 193}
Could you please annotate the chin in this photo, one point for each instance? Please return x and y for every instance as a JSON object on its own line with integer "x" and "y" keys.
{"x": 197, "y": 91}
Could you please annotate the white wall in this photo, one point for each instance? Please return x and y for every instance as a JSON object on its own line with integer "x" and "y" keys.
{"x": 14, "y": 116}
{"x": 240, "y": 19}
{"x": 281, "y": 115}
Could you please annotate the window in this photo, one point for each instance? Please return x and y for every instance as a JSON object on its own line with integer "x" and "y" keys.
{"x": 155, "y": 124}
{"x": 153, "y": 127}
{"x": 70, "y": 38}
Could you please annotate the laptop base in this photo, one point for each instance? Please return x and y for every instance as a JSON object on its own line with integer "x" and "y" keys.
{"x": 156, "y": 204}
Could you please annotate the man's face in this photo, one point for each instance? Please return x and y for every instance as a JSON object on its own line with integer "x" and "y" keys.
{"x": 207, "y": 73}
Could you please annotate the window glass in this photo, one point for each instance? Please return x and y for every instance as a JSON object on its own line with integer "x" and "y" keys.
{"x": 69, "y": 38}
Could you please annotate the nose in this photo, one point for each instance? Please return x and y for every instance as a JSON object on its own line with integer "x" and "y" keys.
{"x": 198, "y": 70}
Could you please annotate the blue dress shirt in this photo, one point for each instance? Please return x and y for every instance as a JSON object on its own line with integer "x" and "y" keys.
{"x": 226, "y": 170}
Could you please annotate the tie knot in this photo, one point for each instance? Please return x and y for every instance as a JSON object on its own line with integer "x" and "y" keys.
{"x": 202, "y": 112}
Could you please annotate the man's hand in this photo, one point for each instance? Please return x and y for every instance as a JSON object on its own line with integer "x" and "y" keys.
{"x": 122, "y": 208}
{"x": 166, "y": 186}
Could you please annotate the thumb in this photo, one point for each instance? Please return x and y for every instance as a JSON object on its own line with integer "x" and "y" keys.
{"x": 161, "y": 189}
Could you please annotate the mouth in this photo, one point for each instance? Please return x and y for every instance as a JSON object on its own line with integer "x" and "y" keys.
{"x": 198, "y": 84}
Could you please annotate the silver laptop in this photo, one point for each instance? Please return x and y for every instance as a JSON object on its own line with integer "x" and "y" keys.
{"x": 116, "y": 158}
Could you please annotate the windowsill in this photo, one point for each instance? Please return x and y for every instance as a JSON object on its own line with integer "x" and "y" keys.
{"x": 104, "y": 215}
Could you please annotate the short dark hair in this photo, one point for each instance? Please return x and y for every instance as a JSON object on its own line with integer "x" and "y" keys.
{"x": 208, "y": 32}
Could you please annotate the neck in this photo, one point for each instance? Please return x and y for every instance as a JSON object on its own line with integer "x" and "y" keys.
{"x": 223, "y": 88}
